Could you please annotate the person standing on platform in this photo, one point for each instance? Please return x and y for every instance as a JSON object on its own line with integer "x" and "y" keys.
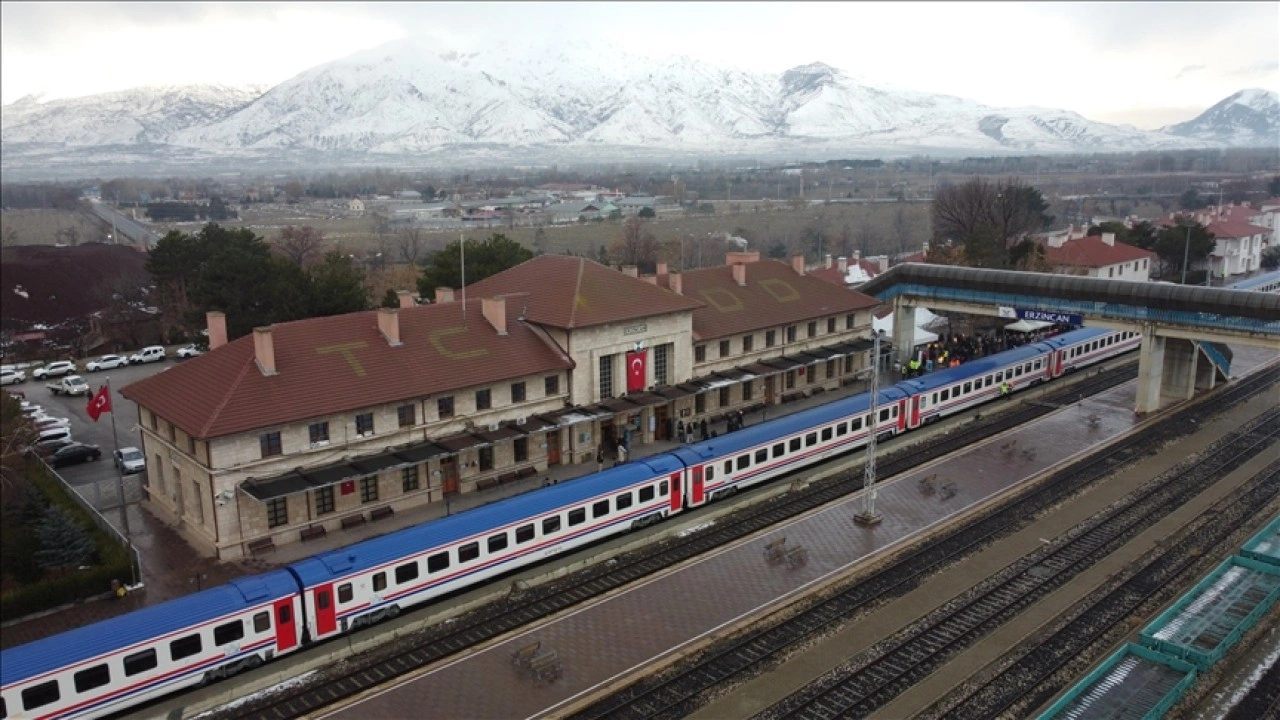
{"x": 599, "y": 459}
{"x": 704, "y": 429}
{"x": 741, "y": 420}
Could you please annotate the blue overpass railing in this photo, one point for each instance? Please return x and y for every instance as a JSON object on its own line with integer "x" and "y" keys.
{"x": 1218, "y": 359}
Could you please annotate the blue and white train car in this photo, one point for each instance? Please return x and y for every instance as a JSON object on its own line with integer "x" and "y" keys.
{"x": 755, "y": 454}
{"x": 1087, "y": 346}
{"x": 377, "y": 578}
{"x": 946, "y": 392}
{"x": 124, "y": 661}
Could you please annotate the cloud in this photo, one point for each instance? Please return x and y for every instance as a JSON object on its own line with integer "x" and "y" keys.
{"x": 1188, "y": 70}
{"x": 1261, "y": 68}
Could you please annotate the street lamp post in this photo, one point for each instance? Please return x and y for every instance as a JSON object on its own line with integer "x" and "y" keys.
{"x": 1186, "y": 252}
{"x": 869, "y": 516}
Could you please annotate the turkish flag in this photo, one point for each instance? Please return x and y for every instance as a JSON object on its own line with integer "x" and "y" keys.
{"x": 98, "y": 404}
{"x": 348, "y": 487}
{"x": 636, "y": 375}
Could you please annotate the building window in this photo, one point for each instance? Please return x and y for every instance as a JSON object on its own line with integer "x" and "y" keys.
{"x": 551, "y": 385}
{"x": 661, "y": 355}
{"x": 747, "y": 390}
{"x": 191, "y": 446}
{"x": 848, "y": 321}
{"x": 724, "y": 396}
{"x": 318, "y": 433}
{"x": 324, "y": 500}
{"x": 812, "y": 372}
{"x": 517, "y": 392}
{"x": 791, "y": 333}
{"x": 195, "y": 495}
{"x": 791, "y": 379}
{"x": 813, "y": 328}
{"x": 831, "y": 325}
{"x": 486, "y": 458}
{"x": 482, "y": 399}
{"x": 369, "y": 489}
{"x": 277, "y": 512}
{"x": 444, "y": 407}
{"x": 724, "y": 348}
{"x": 748, "y": 343}
{"x": 770, "y": 338}
{"x": 520, "y": 446}
{"x": 364, "y": 424}
{"x": 606, "y": 377}
{"x": 409, "y": 479}
{"x": 269, "y": 443}
{"x": 699, "y": 403}
{"x": 831, "y": 369}
{"x": 407, "y": 415}
{"x": 700, "y": 353}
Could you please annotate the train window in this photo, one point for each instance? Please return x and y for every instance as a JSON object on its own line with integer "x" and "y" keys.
{"x": 794, "y": 445}
{"x": 934, "y": 398}
{"x": 646, "y": 493}
{"x": 987, "y": 382}
{"x": 262, "y": 621}
{"x": 728, "y": 467}
{"x": 577, "y": 516}
{"x": 1000, "y": 376}
{"x": 600, "y": 509}
{"x": 622, "y": 501}
{"x": 285, "y": 613}
{"x": 762, "y": 455}
{"x": 711, "y": 475}
{"x": 946, "y": 394}
{"x": 842, "y": 429}
{"x": 497, "y": 542}
{"x": 855, "y": 424}
{"x": 552, "y": 524}
{"x": 884, "y": 414}
{"x": 40, "y": 695}
{"x": 234, "y": 630}
{"x": 407, "y": 573}
{"x": 811, "y": 439}
{"x": 1026, "y": 368}
{"x": 779, "y": 450}
{"x": 322, "y": 599}
{"x": 968, "y": 388}
{"x": 1017, "y": 372}
{"x": 438, "y": 562}
{"x": 345, "y": 593}
{"x": 469, "y": 552}
{"x": 744, "y": 462}
{"x": 524, "y": 533}
{"x": 379, "y": 582}
{"x": 184, "y": 647}
{"x": 91, "y": 678}
{"x": 662, "y": 488}
{"x": 143, "y": 661}
{"x": 826, "y": 434}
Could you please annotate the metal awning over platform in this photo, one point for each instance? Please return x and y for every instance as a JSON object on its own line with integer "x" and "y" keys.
{"x": 301, "y": 480}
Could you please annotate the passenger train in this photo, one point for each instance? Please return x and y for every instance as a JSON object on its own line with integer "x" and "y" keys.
{"x": 118, "y": 663}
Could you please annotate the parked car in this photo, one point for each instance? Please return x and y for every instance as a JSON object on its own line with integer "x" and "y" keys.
{"x": 189, "y": 351}
{"x": 106, "y": 362}
{"x": 74, "y": 454}
{"x": 30, "y": 409}
{"x": 130, "y": 460}
{"x": 50, "y": 440}
{"x": 152, "y": 353}
{"x": 12, "y": 377}
{"x": 55, "y": 369}
{"x": 48, "y": 422}
{"x": 72, "y": 385}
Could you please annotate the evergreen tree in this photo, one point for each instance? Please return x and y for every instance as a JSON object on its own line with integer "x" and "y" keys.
{"x": 390, "y": 299}
{"x": 62, "y": 541}
{"x": 490, "y": 257}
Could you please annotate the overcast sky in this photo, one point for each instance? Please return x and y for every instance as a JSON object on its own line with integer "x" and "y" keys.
{"x": 1148, "y": 64}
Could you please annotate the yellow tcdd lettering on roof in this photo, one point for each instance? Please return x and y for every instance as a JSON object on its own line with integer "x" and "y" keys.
{"x": 721, "y": 299}
{"x": 779, "y": 289}
{"x": 437, "y": 341}
{"x": 346, "y": 350}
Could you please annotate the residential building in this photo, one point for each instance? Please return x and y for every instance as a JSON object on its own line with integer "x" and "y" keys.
{"x": 1098, "y": 256}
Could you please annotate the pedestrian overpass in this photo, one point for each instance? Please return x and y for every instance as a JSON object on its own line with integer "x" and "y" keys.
{"x": 1183, "y": 328}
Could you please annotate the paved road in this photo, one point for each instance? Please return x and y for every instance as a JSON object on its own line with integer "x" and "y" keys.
{"x": 125, "y": 225}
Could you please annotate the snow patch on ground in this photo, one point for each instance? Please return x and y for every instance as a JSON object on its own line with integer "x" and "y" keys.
{"x": 291, "y": 682}
{"x": 696, "y": 528}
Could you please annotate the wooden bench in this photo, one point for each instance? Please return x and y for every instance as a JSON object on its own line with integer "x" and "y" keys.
{"x": 524, "y": 655}
{"x": 377, "y": 514}
{"x": 487, "y": 483}
{"x": 312, "y": 532}
{"x": 351, "y": 521}
{"x": 508, "y": 477}
{"x": 261, "y": 546}
{"x": 776, "y": 550}
{"x": 526, "y": 472}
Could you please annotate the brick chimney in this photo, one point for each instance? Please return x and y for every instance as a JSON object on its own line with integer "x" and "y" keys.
{"x": 662, "y": 269}
{"x": 389, "y": 325}
{"x": 740, "y": 274}
{"x": 631, "y": 271}
{"x": 651, "y": 279}
{"x": 826, "y": 261}
{"x": 843, "y": 265}
{"x": 406, "y": 299}
{"x": 1109, "y": 239}
{"x": 797, "y": 264}
{"x": 675, "y": 283}
{"x": 216, "y": 322}
{"x": 734, "y": 258}
{"x": 495, "y": 311}
{"x": 444, "y": 295}
{"x": 883, "y": 261}
{"x": 264, "y": 350}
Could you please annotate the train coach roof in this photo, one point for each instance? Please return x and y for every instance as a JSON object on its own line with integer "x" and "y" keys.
{"x": 990, "y": 363}
{"x": 116, "y": 634}
{"x": 479, "y": 521}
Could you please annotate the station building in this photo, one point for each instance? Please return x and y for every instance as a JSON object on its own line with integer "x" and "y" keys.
{"x": 307, "y": 426}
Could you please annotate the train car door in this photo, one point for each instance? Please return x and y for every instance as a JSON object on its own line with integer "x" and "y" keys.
{"x": 1057, "y": 363}
{"x": 326, "y": 612}
{"x": 902, "y": 415}
{"x": 286, "y": 629}
{"x": 915, "y": 411}
{"x": 677, "y": 494}
{"x": 695, "y": 490}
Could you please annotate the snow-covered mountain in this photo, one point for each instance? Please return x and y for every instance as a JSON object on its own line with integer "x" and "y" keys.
{"x": 567, "y": 97}
{"x": 1248, "y": 118}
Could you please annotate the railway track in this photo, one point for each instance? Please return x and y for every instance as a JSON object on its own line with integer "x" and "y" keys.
{"x": 681, "y": 690}
{"x": 871, "y": 681}
{"x": 492, "y": 621}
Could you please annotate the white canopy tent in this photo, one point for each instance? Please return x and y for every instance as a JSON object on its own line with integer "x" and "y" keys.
{"x": 1026, "y": 326}
{"x": 922, "y": 336}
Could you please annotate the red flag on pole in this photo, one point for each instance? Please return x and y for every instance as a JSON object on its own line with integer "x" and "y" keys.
{"x": 100, "y": 403}
{"x": 636, "y": 375}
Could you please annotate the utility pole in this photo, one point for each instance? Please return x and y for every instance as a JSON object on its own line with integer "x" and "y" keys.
{"x": 1186, "y": 251}
{"x": 869, "y": 516}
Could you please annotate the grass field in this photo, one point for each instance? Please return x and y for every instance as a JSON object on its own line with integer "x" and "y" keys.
{"x": 40, "y": 227}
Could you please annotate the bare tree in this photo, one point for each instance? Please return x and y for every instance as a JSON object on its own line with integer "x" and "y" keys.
{"x": 68, "y": 235}
{"x": 987, "y": 218}
{"x": 300, "y": 244}
{"x": 409, "y": 244}
{"x": 636, "y": 245}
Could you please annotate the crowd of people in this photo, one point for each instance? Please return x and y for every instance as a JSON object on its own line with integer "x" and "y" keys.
{"x": 955, "y": 350}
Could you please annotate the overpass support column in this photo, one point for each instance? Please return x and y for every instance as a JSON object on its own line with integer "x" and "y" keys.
{"x": 1150, "y": 370}
{"x": 1181, "y": 360}
{"x": 904, "y": 331}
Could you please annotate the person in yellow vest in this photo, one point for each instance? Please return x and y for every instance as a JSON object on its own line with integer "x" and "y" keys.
{"x": 1005, "y": 389}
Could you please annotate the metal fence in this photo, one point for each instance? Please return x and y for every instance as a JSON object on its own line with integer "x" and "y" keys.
{"x": 100, "y": 520}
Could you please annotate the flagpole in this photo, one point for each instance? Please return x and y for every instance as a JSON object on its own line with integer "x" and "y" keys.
{"x": 462, "y": 251}
{"x": 124, "y": 504}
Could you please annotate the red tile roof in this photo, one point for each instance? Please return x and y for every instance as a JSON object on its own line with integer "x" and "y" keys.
{"x": 1092, "y": 252}
{"x": 340, "y": 364}
{"x": 569, "y": 292}
{"x": 835, "y": 277}
{"x": 1236, "y": 229}
{"x": 774, "y": 295}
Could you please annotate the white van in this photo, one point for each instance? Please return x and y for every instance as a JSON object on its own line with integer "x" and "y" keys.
{"x": 153, "y": 353}
{"x": 52, "y": 439}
